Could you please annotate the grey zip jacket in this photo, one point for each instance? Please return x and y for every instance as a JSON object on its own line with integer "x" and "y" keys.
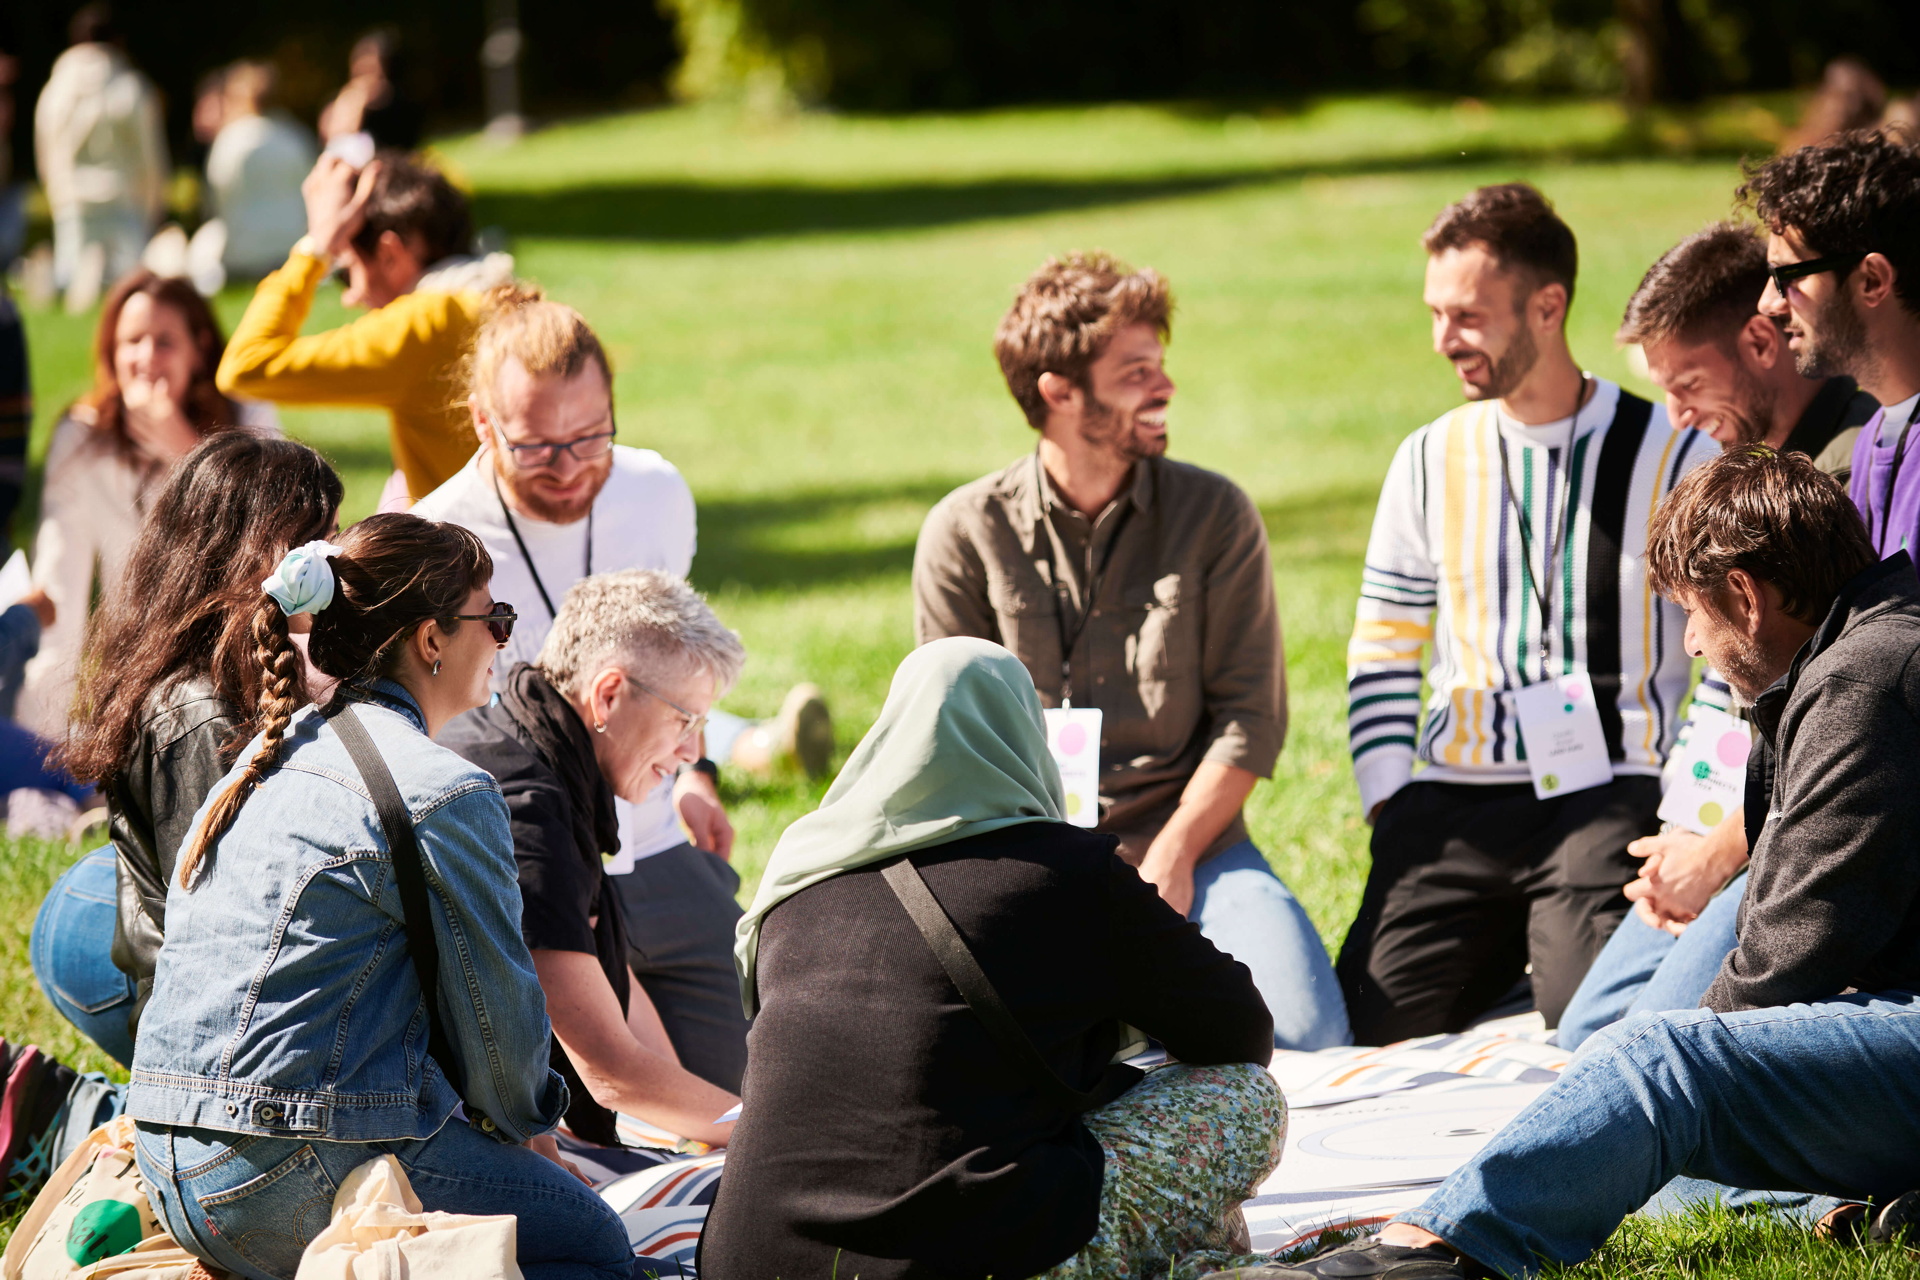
{"x": 1833, "y": 809}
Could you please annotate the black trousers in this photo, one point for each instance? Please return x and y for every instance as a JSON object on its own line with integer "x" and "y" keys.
{"x": 1470, "y": 884}
{"x": 680, "y": 915}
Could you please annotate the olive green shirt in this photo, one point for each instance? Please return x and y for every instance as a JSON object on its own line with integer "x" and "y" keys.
{"x": 1180, "y": 649}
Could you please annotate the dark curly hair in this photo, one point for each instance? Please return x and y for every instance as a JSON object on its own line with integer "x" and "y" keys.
{"x": 415, "y": 200}
{"x": 1856, "y": 193}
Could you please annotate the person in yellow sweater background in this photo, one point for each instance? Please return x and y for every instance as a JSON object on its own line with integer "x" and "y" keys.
{"x": 402, "y": 232}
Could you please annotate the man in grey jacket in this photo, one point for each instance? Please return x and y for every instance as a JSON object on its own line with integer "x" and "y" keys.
{"x": 1796, "y": 1074}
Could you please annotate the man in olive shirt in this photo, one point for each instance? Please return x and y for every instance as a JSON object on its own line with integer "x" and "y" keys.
{"x": 1141, "y": 587}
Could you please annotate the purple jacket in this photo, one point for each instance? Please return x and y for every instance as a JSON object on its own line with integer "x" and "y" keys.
{"x": 1887, "y": 492}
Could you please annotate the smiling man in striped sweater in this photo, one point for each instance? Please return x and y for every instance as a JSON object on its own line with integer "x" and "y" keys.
{"x": 1511, "y": 538}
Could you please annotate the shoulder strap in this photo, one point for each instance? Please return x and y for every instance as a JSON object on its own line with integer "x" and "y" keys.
{"x": 409, "y": 877}
{"x": 951, "y": 950}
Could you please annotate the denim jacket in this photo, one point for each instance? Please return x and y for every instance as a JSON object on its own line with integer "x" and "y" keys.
{"x": 285, "y": 1002}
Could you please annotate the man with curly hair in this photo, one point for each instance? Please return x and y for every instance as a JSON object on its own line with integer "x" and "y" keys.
{"x": 1141, "y": 588}
{"x": 1843, "y": 249}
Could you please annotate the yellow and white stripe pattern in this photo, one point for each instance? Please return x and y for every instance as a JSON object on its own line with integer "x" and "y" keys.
{"x": 1444, "y": 567}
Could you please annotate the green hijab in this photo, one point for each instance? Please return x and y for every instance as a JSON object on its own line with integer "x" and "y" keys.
{"x": 960, "y": 748}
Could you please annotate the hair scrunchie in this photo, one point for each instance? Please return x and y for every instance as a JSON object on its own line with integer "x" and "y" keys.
{"x": 304, "y": 581}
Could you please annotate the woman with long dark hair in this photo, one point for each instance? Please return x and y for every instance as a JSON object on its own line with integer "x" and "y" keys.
{"x": 344, "y": 967}
{"x": 169, "y": 694}
{"x": 153, "y": 401}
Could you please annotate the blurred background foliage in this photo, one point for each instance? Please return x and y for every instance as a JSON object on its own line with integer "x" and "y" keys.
{"x": 888, "y": 55}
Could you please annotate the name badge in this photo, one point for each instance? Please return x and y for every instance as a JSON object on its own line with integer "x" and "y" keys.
{"x": 1073, "y": 735}
{"x": 1710, "y": 771}
{"x": 1560, "y": 724}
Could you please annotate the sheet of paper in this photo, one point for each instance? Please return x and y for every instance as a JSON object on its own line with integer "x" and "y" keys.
{"x": 1710, "y": 776}
{"x": 15, "y": 580}
{"x": 1073, "y": 735}
{"x": 1560, "y": 725}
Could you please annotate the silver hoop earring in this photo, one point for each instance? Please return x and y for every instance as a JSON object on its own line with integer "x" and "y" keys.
{"x": 436, "y": 668}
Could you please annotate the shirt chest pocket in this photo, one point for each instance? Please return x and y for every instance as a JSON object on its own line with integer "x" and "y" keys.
{"x": 1163, "y": 640}
{"x": 1029, "y": 620}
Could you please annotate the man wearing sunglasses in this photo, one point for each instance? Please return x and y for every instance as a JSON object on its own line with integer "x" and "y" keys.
{"x": 1843, "y": 251}
{"x": 555, "y": 500}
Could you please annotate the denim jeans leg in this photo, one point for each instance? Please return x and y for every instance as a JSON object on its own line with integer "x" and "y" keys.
{"x": 1811, "y": 1099}
{"x": 250, "y": 1205}
{"x": 1245, "y": 910}
{"x": 71, "y": 953}
{"x": 1619, "y": 973}
{"x": 566, "y": 1231}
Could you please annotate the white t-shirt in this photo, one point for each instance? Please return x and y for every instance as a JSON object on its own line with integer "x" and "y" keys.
{"x": 643, "y": 519}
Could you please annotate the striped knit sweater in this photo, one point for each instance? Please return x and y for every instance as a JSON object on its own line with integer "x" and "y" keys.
{"x": 1445, "y": 567}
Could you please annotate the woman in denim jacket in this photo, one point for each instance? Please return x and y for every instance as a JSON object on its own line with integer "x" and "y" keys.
{"x": 286, "y": 1041}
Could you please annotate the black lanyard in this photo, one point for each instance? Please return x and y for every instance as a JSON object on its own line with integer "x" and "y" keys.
{"x": 1557, "y": 535}
{"x": 1893, "y": 479}
{"x": 526, "y": 555}
{"x": 1069, "y": 639}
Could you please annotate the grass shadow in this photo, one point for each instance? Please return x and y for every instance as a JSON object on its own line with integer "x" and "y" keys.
{"x": 716, "y": 212}
{"x": 813, "y": 538}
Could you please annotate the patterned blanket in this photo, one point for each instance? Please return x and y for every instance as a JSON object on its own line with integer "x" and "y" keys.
{"x": 1370, "y": 1133}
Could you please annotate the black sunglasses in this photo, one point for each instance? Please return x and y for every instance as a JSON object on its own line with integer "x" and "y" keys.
{"x": 499, "y": 620}
{"x": 1787, "y": 272}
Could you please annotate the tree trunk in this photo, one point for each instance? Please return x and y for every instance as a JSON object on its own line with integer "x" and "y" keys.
{"x": 1662, "y": 60}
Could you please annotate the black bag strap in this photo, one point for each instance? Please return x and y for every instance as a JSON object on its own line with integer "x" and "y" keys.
{"x": 409, "y": 876}
{"x": 951, "y": 950}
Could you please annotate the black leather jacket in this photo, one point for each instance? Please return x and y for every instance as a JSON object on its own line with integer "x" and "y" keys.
{"x": 182, "y": 748}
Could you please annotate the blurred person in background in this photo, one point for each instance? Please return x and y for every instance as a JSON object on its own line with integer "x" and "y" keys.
{"x": 403, "y": 233}
{"x": 102, "y": 150}
{"x": 16, "y": 378}
{"x": 1726, "y": 370}
{"x": 153, "y": 400}
{"x": 171, "y": 692}
{"x": 255, "y": 165}
{"x": 374, "y": 101}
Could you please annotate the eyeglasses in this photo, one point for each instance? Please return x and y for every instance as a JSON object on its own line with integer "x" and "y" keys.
{"x": 694, "y": 724}
{"x": 1787, "y": 272}
{"x": 499, "y": 620}
{"x": 532, "y": 457}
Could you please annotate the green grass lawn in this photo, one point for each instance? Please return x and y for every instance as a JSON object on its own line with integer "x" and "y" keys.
{"x": 801, "y": 311}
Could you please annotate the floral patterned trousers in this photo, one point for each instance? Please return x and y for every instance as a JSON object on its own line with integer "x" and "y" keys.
{"x": 1184, "y": 1148}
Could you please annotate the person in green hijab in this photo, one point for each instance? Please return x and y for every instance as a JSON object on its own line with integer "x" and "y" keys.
{"x": 886, "y": 1130}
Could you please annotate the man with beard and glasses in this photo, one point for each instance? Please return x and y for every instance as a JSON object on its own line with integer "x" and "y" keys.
{"x": 555, "y": 500}
{"x": 1139, "y": 594}
{"x": 1511, "y": 537}
{"x": 1843, "y": 247}
{"x": 1726, "y": 370}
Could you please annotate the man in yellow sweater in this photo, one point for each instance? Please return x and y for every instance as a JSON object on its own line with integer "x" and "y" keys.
{"x": 402, "y": 232}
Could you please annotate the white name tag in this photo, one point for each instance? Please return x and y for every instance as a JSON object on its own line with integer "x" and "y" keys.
{"x": 1073, "y": 735}
{"x": 1560, "y": 724}
{"x": 1710, "y": 771}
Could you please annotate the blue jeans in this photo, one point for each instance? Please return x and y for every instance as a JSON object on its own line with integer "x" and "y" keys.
{"x": 1814, "y": 1099}
{"x": 1647, "y": 970}
{"x": 71, "y": 953}
{"x": 251, "y": 1204}
{"x": 1244, "y": 909}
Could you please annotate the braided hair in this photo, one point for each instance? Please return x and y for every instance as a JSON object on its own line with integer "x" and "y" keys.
{"x": 394, "y": 573}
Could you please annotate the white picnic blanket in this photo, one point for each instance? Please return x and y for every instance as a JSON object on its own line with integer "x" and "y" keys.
{"x": 1370, "y": 1133}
